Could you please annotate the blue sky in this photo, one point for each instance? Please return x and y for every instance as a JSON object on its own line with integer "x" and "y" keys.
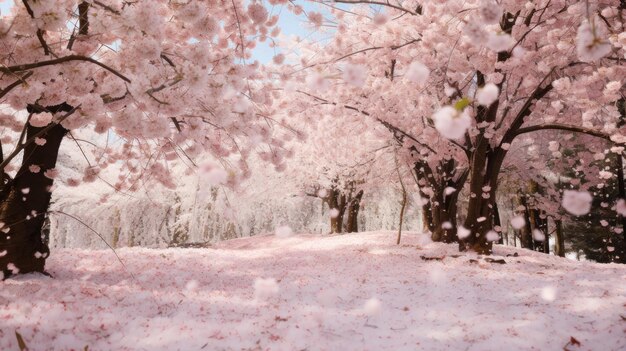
{"x": 5, "y": 5}
{"x": 289, "y": 23}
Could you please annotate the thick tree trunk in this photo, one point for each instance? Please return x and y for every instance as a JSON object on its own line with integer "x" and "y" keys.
{"x": 25, "y": 202}
{"x": 336, "y": 200}
{"x": 342, "y": 211}
{"x": 484, "y": 167}
{"x": 485, "y": 162}
{"x": 536, "y": 221}
{"x": 535, "y": 224}
{"x": 444, "y": 220}
{"x": 427, "y": 217}
{"x": 480, "y": 209}
{"x": 440, "y": 212}
{"x": 354, "y": 206}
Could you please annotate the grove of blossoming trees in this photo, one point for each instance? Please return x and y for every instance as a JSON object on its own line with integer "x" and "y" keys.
{"x": 457, "y": 82}
{"x": 443, "y": 88}
{"x": 340, "y": 160}
{"x": 160, "y": 80}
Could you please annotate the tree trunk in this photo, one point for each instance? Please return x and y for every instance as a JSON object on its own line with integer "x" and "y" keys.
{"x": 622, "y": 195}
{"x": 402, "y": 208}
{"x": 354, "y": 205}
{"x": 535, "y": 224}
{"x": 336, "y": 200}
{"x": 25, "y": 201}
{"x": 559, "y": 243}
{"x": 480, "y": 210}
{"x": 427, "y": 217}
{"x": 444, "y": 220}
{"x": 484, "y": 169}
{"x": 342, "y": 210}
{"x": 497, "y": 222}
{"x": 542, "y": 226}
{"x": 525, "y": 238}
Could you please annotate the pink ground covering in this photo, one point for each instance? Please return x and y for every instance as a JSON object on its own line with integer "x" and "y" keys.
{"x": 348, "y": 292}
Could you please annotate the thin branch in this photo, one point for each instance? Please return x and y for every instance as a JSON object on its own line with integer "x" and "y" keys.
{"x": 404, "y": 198}
{"x": 386, "y": 124}
{"x": 29, "y": 66}
{"x": 42, "y": 40}
{"x": 537, "y": 95}
{"x": 168, "y": 60}
{"x": 101, "y": 237}
{"x": 462, "y": 147}
{"x": 176, "y": 124}
{"x": 19, "y": 81}
{"x": 106, "y": 7}
{"x": 557, "y": 126}
{"x": 163, "y": 86}
{"x": 80, "y": 148}
{"x": 243, "y": 44}
{"x": 370, "y": 2}
{"x": 393, "y": 48}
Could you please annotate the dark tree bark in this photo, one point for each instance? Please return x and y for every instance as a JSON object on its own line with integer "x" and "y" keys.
{"x": 427, "y": 217}
{"x": 444, "y": 219}
{"x": 485, "y": 161}
{"x": 538, "y": 223}
{"x": 354, "y": 206}
{"x": 336, "y": 200}
{"x": 345, "y": 203}
{"x": 333, "y": 204}
{"x": 559, "y": 245}
{"x": 25, "y": 201}
{"x": 546, "y": 240}
{"x": 401, "y": 220}
{"x": 622, "y": 193}
{"x": 484, "y": 167}
{"x": 497, "y": 222}
{"x": 440, "y": 212}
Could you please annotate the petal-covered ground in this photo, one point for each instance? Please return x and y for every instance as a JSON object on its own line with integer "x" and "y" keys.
{"x": 348, "y": 292}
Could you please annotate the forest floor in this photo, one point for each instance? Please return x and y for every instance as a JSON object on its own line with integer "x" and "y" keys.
{"x": 305, "y": 292}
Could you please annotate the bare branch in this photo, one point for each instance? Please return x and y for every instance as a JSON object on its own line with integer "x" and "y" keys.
{"x": 393, "y": 48}
{"x": 106, "y": 7}
{"x": 168, "y": 60}
{"x": 176, "y": 124}
{"x": 370, "y": 2}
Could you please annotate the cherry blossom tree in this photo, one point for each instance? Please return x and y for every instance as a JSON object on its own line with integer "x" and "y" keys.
{"x": 541, "y": 176}
{"x": 341, "y": 159}
{"x": 458, "y": 81}
{"x": 160, "y": 80}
